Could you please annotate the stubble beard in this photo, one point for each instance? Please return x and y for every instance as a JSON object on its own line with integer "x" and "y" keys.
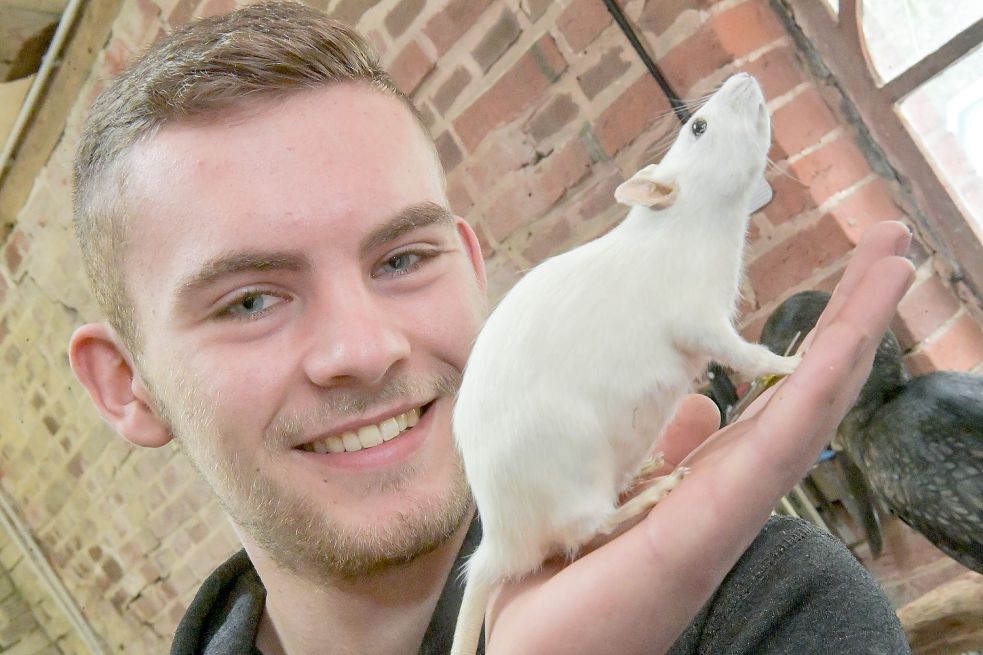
{"x": 297, "y": 534}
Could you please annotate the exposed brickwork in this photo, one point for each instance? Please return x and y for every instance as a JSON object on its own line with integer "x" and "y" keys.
{"x": 600, "y": 76}
{"x": 927, "y": 306}
{"x": 517, "y": 90}
{"x": 956, "y": 347}
{"x": 409, "y": 68}
{"x": 539, "y": 110}
{"x": 582, "y": 21}
{"x": 402, "y": 15}
{"x": 630, "y": 114}
{"x": 498, "y": 39}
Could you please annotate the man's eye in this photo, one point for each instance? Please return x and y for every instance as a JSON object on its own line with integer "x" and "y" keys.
{"x": 402, "y": 263}
{"x": 251, "y": 304}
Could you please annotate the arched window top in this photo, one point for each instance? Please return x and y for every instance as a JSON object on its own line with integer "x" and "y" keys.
{"x": 899, "y": 33}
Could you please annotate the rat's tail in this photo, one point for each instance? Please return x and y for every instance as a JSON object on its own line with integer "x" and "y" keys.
{"x": 471, "y": 618}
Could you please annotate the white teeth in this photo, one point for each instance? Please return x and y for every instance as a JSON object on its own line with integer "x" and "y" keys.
{"x": 366, "y": 437}
{"x": 388, "y": 429}
{"x": 351, "y": 442}
{"x": 369, "y": 436}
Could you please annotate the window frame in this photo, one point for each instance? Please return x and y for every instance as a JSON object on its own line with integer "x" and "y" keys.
{"x": 839, "y": 41}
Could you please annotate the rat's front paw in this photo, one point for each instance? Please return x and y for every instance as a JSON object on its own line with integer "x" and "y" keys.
{"x": 786, "y": 365}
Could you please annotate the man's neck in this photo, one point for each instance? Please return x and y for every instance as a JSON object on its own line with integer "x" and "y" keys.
{"x": 387, "y": 612}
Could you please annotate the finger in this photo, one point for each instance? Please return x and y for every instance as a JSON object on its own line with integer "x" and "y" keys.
{"x": 812, "y": 401}
{"x": 884, "y": 239}
{"x": 695, "y": 420}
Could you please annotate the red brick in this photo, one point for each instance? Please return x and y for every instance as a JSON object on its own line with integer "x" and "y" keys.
{"x": 402, "y": 16}
{"x": 747, "y": 27}
{"x": 117, "y": 56}
{"x": 546, "y": 122}
{"x": 582, "y": 21}
{"x": 410, "y": 67}
{"x": 510, "y": 152}
{"x": 599, "y": 76}
{"x": 498, "y": 39}
{"x": 791, "y": 199}
{"x": 350, "y": 11}
{"x": 831, "y": 168}
{"x": 802, "y": 122}
{"x": 458, "y": 196}
{"x": 534, "y": 194}
{"x": 777, "y": 71}
{"x": 450, "y": 154}
{"x": 925, "y": 307}
{"x": 450, "y": 23}
{"x": 694, "y": 59}
{"x": 599, "y": 196}
{"x": 797, "y": 258}
{"x": 630, "y": 114}
{"x": 958, "y": 348}
{"x": 13, "y": 254}
{"x": 548, "y": 240}
{"x": 517, "y": 90}
{"x": 451, "y": 89}
{"x": 535, "y": 8}
{"x": 215, "y": 8}
{"x": 867, "y": 205}
{"x": 658, "y": 15}
{"x": 181, "y": 13}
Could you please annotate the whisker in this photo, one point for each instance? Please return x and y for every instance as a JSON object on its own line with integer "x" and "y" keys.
{"x": 784, "y": 172}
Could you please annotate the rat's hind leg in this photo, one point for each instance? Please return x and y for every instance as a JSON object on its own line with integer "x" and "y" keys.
{"x": 645, "y": 500}
{"x": 651, "y": 464}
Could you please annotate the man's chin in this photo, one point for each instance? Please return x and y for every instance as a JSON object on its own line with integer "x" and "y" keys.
{"x": 309, "y": 542}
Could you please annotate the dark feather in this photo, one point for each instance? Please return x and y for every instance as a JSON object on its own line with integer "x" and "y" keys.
{"x": 918, "y": 443}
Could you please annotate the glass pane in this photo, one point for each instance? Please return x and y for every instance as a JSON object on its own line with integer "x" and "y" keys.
{"x": 900, "y": 33}
{"x": 945, "y": 115}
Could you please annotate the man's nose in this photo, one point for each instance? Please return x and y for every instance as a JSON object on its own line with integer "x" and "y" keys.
{"x": 356, "y": 340}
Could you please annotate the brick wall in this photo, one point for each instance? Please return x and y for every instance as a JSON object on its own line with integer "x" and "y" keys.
{"x": 539, "y": 110}
{"x": 22, "y": 631}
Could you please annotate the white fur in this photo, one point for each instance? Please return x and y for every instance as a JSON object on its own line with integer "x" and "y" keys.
{"x": 577, "y": 371}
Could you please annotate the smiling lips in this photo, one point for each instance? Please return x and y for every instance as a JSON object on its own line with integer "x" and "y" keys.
{"x": 365, "y": 437}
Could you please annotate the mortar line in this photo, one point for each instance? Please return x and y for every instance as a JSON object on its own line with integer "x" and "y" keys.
{"x": 19, "y": 533}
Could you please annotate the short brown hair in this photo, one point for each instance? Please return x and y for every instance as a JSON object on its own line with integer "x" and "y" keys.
{"x": 211, "y": 65}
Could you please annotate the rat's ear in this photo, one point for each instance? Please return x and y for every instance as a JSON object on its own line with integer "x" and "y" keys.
{"x": 104, "y": 367}
{"x": 651, "y": 187}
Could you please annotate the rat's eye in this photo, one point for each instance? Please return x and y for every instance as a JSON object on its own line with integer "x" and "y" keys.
{"x": 699, "y": 126}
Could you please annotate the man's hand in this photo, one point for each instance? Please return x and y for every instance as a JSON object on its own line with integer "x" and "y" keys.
{"x": 639, "y": 591}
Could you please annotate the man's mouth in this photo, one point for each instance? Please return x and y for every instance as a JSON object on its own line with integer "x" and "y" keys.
{"x": 367, "y": 436}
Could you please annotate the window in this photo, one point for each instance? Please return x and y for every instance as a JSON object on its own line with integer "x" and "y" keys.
{"x": 913, "y": 69}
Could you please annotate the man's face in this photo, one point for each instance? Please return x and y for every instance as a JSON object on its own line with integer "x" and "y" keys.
{"x": 300, "y": 287}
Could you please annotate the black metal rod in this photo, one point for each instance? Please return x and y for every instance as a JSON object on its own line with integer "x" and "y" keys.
{"x": 678, "y": 106}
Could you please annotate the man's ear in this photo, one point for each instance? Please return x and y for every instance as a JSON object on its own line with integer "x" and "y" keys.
{"x": 473, "y": 249}
{"x": 652, "y": 187}
{"x": 104, "y": 367}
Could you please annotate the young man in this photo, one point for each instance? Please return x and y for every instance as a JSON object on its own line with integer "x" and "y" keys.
{"x": 264, "y": 222}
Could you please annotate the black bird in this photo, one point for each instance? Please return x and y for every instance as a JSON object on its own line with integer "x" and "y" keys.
{"x": 916, "y": 443}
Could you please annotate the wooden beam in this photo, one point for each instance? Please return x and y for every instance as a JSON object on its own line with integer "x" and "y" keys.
{"x": 46, "y": 126}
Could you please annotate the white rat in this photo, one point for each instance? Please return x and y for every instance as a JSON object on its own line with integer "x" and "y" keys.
{"x": 575, "y": 374}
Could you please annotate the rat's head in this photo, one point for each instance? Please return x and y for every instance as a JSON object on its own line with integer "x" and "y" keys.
{"x": 719, "y": 153}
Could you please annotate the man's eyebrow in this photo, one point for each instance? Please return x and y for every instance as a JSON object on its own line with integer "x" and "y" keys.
{"x": 239, "y": 262}
{"x": 408, "y": 219}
